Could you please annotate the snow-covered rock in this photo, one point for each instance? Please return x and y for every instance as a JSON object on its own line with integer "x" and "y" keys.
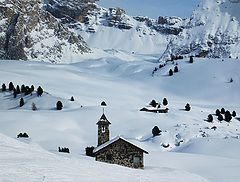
{"x": 212, "y": 31}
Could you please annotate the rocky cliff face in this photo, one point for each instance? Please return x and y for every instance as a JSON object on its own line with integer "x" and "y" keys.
{"x": 29, "y": 31}
{"x": 212, "y": 31}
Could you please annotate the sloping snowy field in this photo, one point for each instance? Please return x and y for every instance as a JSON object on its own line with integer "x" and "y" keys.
{"x": 126, "y": 87}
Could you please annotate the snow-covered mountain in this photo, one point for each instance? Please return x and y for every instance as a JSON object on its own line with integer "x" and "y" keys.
{"x": 52, "y": 31}
{"x": 212, "y": 31}
{"x": 29, "y": 31}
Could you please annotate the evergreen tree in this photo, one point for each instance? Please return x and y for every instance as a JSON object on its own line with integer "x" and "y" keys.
{"x": 231, "y": 80}
{"x": 156, "y": 131}
{"x": 153, "y": 103}
{"x": 234, "y": 114}
{"x": 72, "y": 99}
{"x": 59, "y": 105}
{"x": 3, "y": 87}
{"x": 191, "y": 59}
{"x": 10, "y": 86}
{"x": 175, "y": 69}
{"x": 21, "y": 102}
{"x": 32, "y": 88}
{"x": 39, "y": 91}
{"x": 187, "y": 107}
{"x": 228, "y": 116}
{"x": 34, "y": 107}
{"x": 220, "y": 117}
{"x": 18, "y": 89}
{"x": 222, "y": 111}
{"x": 89, "y": 151}
{"x": 165, "y": 102}
{"x": 218, "y": 112}
{"x": 210, "y": 118}
{"x": 14, "y": 93}
{"x": 170, "y": 72}
{"x": 23, "y": 89}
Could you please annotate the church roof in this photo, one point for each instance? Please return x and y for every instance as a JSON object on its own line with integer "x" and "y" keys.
{"x": 103, "y": 120}
{"x": 99, "y": 148}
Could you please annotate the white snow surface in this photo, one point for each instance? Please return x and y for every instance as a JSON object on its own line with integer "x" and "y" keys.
{"x": 126, "y": 87}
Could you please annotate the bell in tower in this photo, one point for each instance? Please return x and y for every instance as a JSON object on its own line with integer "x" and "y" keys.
{"x": 103, "y": 130}
{"x": 103, "y": 127}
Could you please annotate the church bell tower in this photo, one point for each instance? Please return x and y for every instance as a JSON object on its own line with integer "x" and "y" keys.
{"x": 103, "y": 130}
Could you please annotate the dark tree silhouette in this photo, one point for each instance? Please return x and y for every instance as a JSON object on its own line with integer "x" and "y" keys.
{"x": 14, "y": 93}
{"x": 165, "y": 102}
{"x": 220, "y": 117}
{"x": 228, "y": 116}
{"x": 4, "y": 87}
{"x": 187, "y": 107}
{"x": 21, "y": 102}
{"x": 175, "y": 69}
{"x": 39, "y": 91}
{"x": 210, "y": 118}
{"x": 153, "y": 103}
{"x": 23, "y": 88}
{"x": 191, "y": 59}
{"x": 10, "y": 86}
{"x": 32, "y": 88}
{"x": 72, "y": 99}
{"x": 222, "y": 111}
{"x": 170, "y": 72}
{"x": 217, "y": 112}
{"x": 18, "y": 89}
{"x": 234, "y": 114}
{"x": 59, "y": 105}
{"x": 156, "y": 131}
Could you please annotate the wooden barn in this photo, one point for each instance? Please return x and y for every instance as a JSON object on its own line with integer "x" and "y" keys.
{"x": 118, "y": 150}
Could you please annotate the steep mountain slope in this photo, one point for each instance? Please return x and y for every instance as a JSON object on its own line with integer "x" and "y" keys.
{"x": 212, "y": 31}
{"x": 30, "y": 32}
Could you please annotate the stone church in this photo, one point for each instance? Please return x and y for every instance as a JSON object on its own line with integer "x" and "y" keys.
{"x": 117, "y": 150}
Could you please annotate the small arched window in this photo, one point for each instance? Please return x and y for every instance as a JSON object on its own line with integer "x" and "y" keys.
{"x": 103, "y": 129}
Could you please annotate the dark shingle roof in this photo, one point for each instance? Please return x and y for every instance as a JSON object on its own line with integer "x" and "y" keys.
{"x": 103, "y": 120}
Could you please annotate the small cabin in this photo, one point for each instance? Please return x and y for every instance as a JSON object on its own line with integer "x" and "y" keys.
{"x": 122, "y": 152}
{"x": 118, "y": 150}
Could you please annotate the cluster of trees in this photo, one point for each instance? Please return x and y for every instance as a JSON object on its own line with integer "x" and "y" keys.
{"x": 222, "y": 115}
{"x": 89, "y": 151}
{"x": 22, "y": 135}
{"x": 175, "y": 70}
{"x": 153, "y": 103}
{"x": 64, "y": 150}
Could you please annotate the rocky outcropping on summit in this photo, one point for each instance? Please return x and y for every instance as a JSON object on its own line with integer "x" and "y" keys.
{"x": 28, "y": 31}
{"x": 212, "y": 31}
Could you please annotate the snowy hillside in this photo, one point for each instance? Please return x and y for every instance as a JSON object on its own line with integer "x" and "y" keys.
{"x": 126, "y": 87}
{"x": 212, "y": 31}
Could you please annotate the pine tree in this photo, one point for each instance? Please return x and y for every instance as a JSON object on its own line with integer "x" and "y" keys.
{"x": 10, "y": 86}
{"x": 14, "y": 93}
{"x": 220, "y": 117}
{"x": 187, "y": 107}
{"x": 222, "y": 111}
{"x": 59, "y": 105}
{"x": 39, "y": 91}
{"x": 23, "y": 89}
{"x": 34, "y": 107}
{"x": 217, "y": 112}
{"x": 21, "y": 102}
{"x": 165, "y": 102}
{"x": 32, "y": 88}
{"x": 210, "y": 118}
{"x": 191, "y": 59}
{"x": 228, "y": 116}
{"x": 170, "y": 72}
{"x": 3, "y": 87}
{"x": 18, "y": 89}
{"x": 156, "y": 131}
{"x": 153, "y": 103}
{"x": 175, "y": 69}
{"x": 72, "y": 99}
{"x": 234, "y": 114}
